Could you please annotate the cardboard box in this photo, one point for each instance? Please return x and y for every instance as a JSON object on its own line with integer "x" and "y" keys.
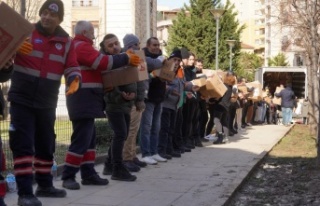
{"x": 268, "y": 100}
{"x": 126, "y": 75}
{"x": 277, "y": 100}
{"x": 207, "y": 72}
{"x": 199, "y": 82}
{"x": 256, "y": 94}
{"x": 214, "y": 88}
{"x": 243, "y": 89}
{"x": 13, "y": 31}
{"x": 167, "y": 71}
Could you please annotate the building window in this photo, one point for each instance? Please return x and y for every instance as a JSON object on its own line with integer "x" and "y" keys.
{"x": 85, "y": 3}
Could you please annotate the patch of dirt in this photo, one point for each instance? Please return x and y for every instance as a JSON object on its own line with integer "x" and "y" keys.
{"x": 287, "y": 176}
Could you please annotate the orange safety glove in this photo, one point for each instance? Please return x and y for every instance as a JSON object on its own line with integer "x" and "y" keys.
{"x": 25, "y": 48}
{"x": 134, "y": 59}
{"x": 74, "y": 86}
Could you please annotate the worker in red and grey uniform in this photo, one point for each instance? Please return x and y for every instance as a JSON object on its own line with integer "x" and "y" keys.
{"x": 88, "y": 104}
{"x": 33, "y": 96}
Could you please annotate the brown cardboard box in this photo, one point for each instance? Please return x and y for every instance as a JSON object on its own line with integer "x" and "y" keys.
{"x": 166, "y": 72}
{"x": 277, "y": 100}
{"x": 214, "y": 88}
{"x": 126, "y": 75}
{"x": 243, "y": 89}
{"x": 199, "y": 82}
{"x": 267, "y": 99}
{"x": 13, "y": 31}
{"x": 256, "y": 94}
{"x": 207, "y": 72}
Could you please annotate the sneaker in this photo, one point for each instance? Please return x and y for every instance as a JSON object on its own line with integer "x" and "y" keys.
{"x": 138, "y": 162}
{"x": 94, "y": 180}
{"x": 71, "y": 184}
{"x": 130, "y": 166}
{"x": 107, "y": 169}
{"x": 149, "y": 160}
{"x": 50, "y": 192}
{"x": 165, "y": 156}
{"x": 122, "y": 174}
{"x": 28, "y": 200}
{"x": 211, "y": 137}
{"x": 157, "y": 158}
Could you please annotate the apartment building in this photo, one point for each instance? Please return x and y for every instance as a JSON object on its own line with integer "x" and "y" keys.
{"x": 251, "y": 13}
{"x": 263, "y": 31}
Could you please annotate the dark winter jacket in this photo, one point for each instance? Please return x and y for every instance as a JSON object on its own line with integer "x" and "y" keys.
{"x": 157, "y": 87}
{"x": 287, "y": 97}
{"x": 176, "y": 86}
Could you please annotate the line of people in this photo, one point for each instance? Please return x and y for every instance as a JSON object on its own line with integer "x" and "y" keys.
{"x": 169, "y": 117}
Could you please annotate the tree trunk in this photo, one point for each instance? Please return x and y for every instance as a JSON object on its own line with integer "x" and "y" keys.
{"x": 315, "y": 86}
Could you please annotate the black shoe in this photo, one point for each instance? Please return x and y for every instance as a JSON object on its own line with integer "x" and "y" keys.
{"x": 122, "y": 174}
{"x": 2, "y": 202}
{"x": 181, "y": 150}
{"x": 231, "y": 134}
{"x": 190, "y": 145}
{"x": 139, "y": 163}
{"x": 130, "y": 166}
{"x": 94, "y": 180}
{"x": 243, "y": 126}
{"x": 166, "y": 156}
{"x": 71, "y": 184}
{"x": 198, "y": 144}
{"x": 186, "y": 149}
{"x": 219, "y": 140}
{"x": 234, "y": 131}
{"x": 50, "y": 192}
{"x": 28, "y": 200}
{"x": 107, "y": 169}
{"x": 175, "y": 154}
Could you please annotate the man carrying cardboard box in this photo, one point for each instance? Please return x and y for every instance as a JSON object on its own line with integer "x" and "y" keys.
{"x": 86, "y": 105}
{"x": 287, "y": 103}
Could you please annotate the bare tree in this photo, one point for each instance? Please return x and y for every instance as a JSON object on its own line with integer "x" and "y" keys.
{"x": 301, "y": 18}
{"x": 27, "y": 8}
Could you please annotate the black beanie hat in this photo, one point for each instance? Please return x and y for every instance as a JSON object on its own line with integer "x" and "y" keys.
{"x": 175, "y": 53}
{"x": 53, "y": 6}
{"x": 185, "y": 53}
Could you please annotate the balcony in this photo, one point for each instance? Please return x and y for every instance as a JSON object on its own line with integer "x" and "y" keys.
{"x": 85, "y": 3}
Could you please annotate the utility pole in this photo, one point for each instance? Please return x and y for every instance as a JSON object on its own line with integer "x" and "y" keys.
{"x": 23, "y": 8}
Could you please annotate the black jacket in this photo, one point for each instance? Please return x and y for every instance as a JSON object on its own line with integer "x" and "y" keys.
{"x": 157, "y": 87}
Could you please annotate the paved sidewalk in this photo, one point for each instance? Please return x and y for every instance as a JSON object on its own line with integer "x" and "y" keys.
{"x": 205, "y": 177}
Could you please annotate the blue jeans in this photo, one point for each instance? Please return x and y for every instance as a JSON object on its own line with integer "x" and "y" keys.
{"x": 286, "y": 115}
{"x": 149, "y": 129}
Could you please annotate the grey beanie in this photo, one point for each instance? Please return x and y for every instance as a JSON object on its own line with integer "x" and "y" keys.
{"x": 129, "y": 40}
